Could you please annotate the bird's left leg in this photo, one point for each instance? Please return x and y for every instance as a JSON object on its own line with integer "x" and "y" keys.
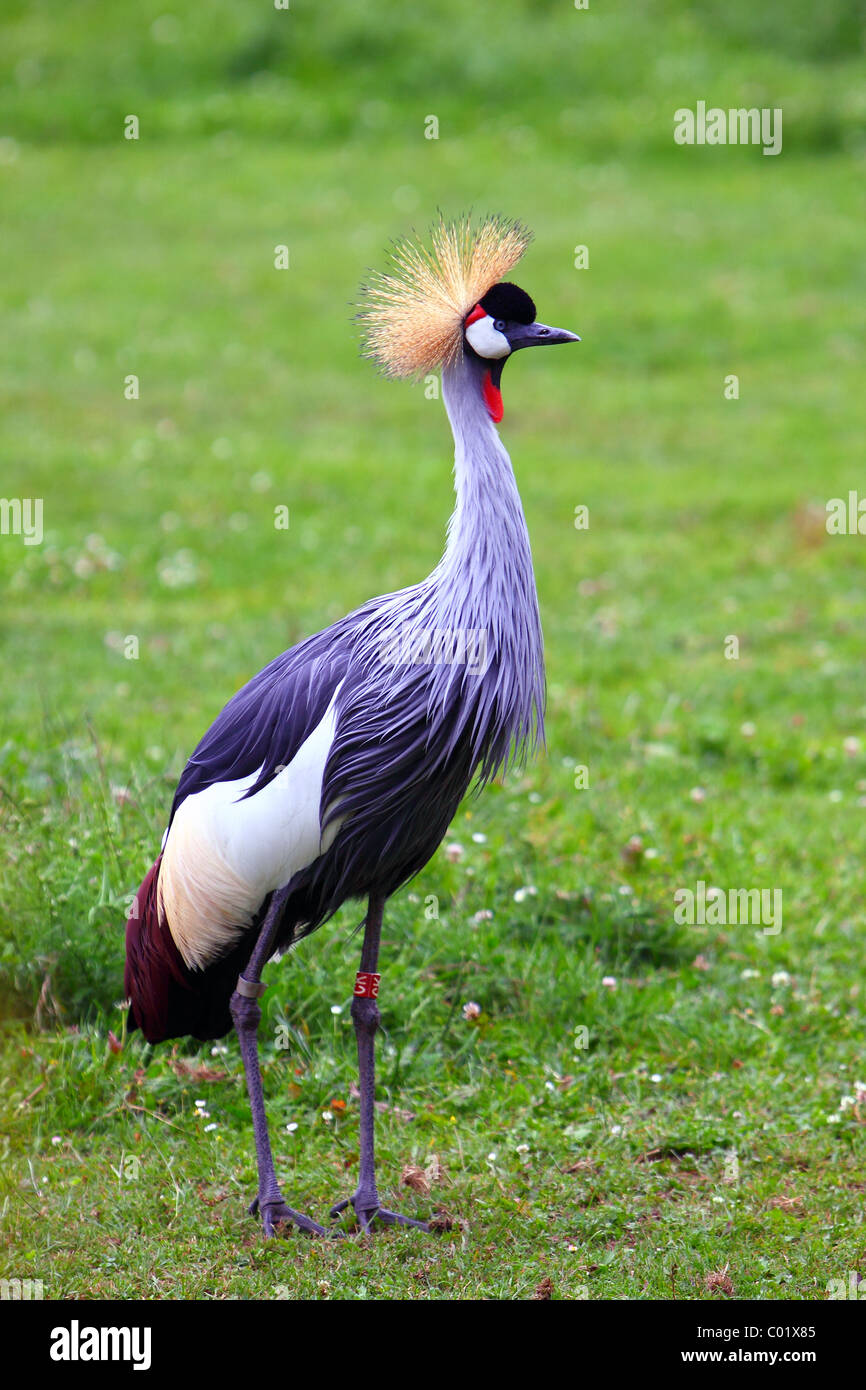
{"x": 245, "y": 1011}
{"x": 366, "y": 1017}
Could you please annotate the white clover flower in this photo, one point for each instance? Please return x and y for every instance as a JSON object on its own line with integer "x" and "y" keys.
{"x": 781, "y": 977}
{"x": 454, "y": 852}
{"x": 609, "y": 982}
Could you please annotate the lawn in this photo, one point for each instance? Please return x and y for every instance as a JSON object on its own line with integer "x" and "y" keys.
{"x": 639, "y": 1108}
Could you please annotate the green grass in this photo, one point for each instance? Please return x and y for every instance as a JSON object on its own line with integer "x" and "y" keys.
{"x": 694, "y": 1132}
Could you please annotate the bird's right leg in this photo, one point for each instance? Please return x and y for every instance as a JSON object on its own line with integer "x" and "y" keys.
{"x": 365, "y": 1016}
{"x": 246, "y": 1013}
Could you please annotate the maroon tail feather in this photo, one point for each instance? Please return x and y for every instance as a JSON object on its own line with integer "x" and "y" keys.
{"x": 168, "y": 1000}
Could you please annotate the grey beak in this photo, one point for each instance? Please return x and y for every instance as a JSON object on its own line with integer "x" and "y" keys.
{"x": 537, "y": 334}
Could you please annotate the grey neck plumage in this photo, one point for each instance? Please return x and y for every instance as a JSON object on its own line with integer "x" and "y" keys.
{"x": 485, "y": 579}
{"x": 480, "y": 600}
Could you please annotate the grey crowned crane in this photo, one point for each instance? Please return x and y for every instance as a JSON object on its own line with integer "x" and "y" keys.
{"x": 335, "y": 772}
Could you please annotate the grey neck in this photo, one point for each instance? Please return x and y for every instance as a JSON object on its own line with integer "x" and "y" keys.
{"x": 487, "y": 536}
{"x": 485, "y": 581}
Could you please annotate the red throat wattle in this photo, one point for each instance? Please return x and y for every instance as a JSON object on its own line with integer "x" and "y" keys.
{"x": 493, "y": 399}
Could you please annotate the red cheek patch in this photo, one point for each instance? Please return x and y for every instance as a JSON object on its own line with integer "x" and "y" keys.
{"x": 493, "y": 399}
{"x": 477, "y": 313}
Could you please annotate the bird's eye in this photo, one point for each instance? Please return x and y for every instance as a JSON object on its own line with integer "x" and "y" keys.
{"x": 499, "y": 325}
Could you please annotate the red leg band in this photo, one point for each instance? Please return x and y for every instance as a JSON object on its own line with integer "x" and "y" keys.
{"x": 366, "y": 985}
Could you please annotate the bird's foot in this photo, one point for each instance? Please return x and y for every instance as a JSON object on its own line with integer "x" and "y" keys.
{"x": 367, "y": 1209}
{"x": 276, "y": 1216}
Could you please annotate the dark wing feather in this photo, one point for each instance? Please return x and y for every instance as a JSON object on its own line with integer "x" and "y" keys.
{"x": 265, "y": 723}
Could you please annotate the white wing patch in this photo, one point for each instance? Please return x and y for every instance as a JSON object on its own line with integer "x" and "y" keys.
{"x": 223, "y": 855}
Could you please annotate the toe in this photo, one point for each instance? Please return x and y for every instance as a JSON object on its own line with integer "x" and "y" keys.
{"x": 396, "y": 1218}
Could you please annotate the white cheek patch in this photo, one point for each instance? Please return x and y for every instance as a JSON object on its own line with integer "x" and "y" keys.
{"x": 486, "y": 340}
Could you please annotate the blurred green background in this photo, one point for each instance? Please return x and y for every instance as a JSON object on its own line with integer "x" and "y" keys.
{"x": 155, "y": 257}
